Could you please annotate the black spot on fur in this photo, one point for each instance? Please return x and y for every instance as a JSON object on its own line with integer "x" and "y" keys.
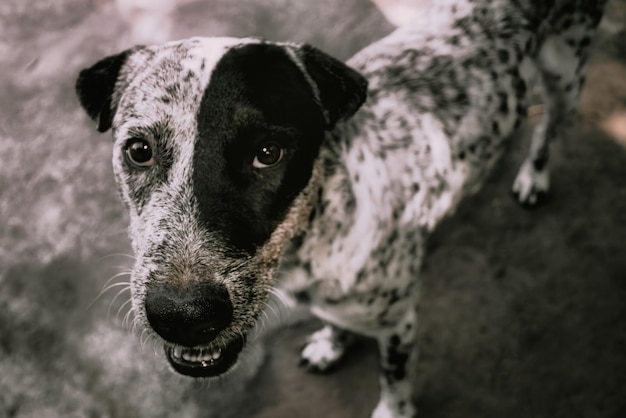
{"x": 495, "y": 128}
{"x": 173, "y": 90}
{"x": 303, "y": 297}
{"x": 503, "y": 56}
{"x": 540, "y": 162}
{"x": 585, "y": 42}
{"x": 504, "y": 103}
{"x": 567, "y": 23}
{"x": 461, "y": 98}
{"x": 394, "y": 296}
{"x": 395, "y": 369}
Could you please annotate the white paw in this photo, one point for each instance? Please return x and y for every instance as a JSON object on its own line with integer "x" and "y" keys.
{"x": 385, "y": 410}
{"x": 531, "y": 186}
{"x": 322, "y": 351}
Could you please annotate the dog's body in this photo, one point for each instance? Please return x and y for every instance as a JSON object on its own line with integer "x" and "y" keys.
{"x": 222, "y": 159}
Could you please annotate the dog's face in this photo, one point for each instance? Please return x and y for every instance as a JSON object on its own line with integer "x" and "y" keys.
{"x": 215, "y": 142}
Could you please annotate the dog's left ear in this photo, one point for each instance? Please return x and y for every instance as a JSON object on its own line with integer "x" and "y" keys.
{"x": 95, "y": 88}
{"x": 341, "y": 89}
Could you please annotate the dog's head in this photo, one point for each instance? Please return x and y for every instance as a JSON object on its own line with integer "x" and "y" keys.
{"x": 215, "y": 142}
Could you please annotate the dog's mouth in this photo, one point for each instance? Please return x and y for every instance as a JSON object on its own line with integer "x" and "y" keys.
{"x": 207, "y": 361}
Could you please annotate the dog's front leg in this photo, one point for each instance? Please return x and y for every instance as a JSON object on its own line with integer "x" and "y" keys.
{"x": 398, "y": 359}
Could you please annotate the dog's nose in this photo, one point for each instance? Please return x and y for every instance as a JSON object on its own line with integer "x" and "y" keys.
{"x": 191, "y": 315}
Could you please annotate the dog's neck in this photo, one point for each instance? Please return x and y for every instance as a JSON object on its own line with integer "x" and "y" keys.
{"x": 295, "y": 221}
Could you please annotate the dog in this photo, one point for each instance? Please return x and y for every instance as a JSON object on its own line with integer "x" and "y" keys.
{"x": 252, "y": 169}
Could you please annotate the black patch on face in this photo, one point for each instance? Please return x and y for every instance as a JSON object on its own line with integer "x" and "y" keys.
{"x": 256, "y": 95}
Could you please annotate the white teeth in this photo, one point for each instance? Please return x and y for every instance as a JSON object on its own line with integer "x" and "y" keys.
{"x": 204, "y": 356}
{"x": 217, "y": 352}
{"x": 187, "y": 355}
{"x": 178, "y": 351}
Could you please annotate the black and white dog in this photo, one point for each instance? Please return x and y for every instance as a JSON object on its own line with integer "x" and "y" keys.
{"x": 250, "y": 166}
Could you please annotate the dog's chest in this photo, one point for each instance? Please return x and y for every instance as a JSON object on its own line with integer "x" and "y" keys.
{"x": 358, "y": 264}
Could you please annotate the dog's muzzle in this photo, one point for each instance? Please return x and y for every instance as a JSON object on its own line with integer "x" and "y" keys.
{"x": 190, "y": 318}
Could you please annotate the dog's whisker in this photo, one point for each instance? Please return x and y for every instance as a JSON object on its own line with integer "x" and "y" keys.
{"x": 261, "y": 325}
{"x": 132, "y": 257}
{"x": 135, "y": 325}
{"x": 280, "y": 300}
{"x": 118, "y": 284}
{"x": 108, "y": 287}
{"x": 129, "y": 318}
{"x": 273, "y": 311}
{"x": 125, "y": 321}
{"x": 241, "y": 335}
{"x": 126, "y": 288}
{"x": 122, "y": 306}
{"x": 143, "y": 338}
{"x": 151, "y": 342}
{"x": 280, "y": 305}
{"x": 125, "y": 272}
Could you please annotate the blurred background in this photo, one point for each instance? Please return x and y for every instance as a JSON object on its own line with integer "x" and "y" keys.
{"x": 523, "y": 312}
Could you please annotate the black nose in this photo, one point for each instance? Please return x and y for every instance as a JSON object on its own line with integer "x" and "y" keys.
{"x": 190, "y": 315}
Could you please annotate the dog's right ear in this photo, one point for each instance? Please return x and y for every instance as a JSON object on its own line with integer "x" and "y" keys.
{"x": 95, "y": 88}
{"x": 341, "y": 89}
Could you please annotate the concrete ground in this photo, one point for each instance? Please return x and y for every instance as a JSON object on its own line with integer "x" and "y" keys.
{"x": 523, "y": 312}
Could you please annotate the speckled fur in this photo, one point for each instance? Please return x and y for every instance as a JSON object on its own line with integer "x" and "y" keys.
{"x": 445, "y": 93}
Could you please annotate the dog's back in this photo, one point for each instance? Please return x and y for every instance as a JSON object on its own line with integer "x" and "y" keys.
{"x": 440, "y": 108}
{"x": 445, "y": 93}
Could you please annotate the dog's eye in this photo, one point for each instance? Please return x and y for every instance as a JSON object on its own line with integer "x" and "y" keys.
{"x": 139, "y": 152}
{"x": 268, "y": 155}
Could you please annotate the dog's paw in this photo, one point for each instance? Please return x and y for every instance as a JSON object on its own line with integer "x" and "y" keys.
{"x": 531, "y": 186}
{"x": 323, "y": 350}
{"x": 385, "y": 410}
